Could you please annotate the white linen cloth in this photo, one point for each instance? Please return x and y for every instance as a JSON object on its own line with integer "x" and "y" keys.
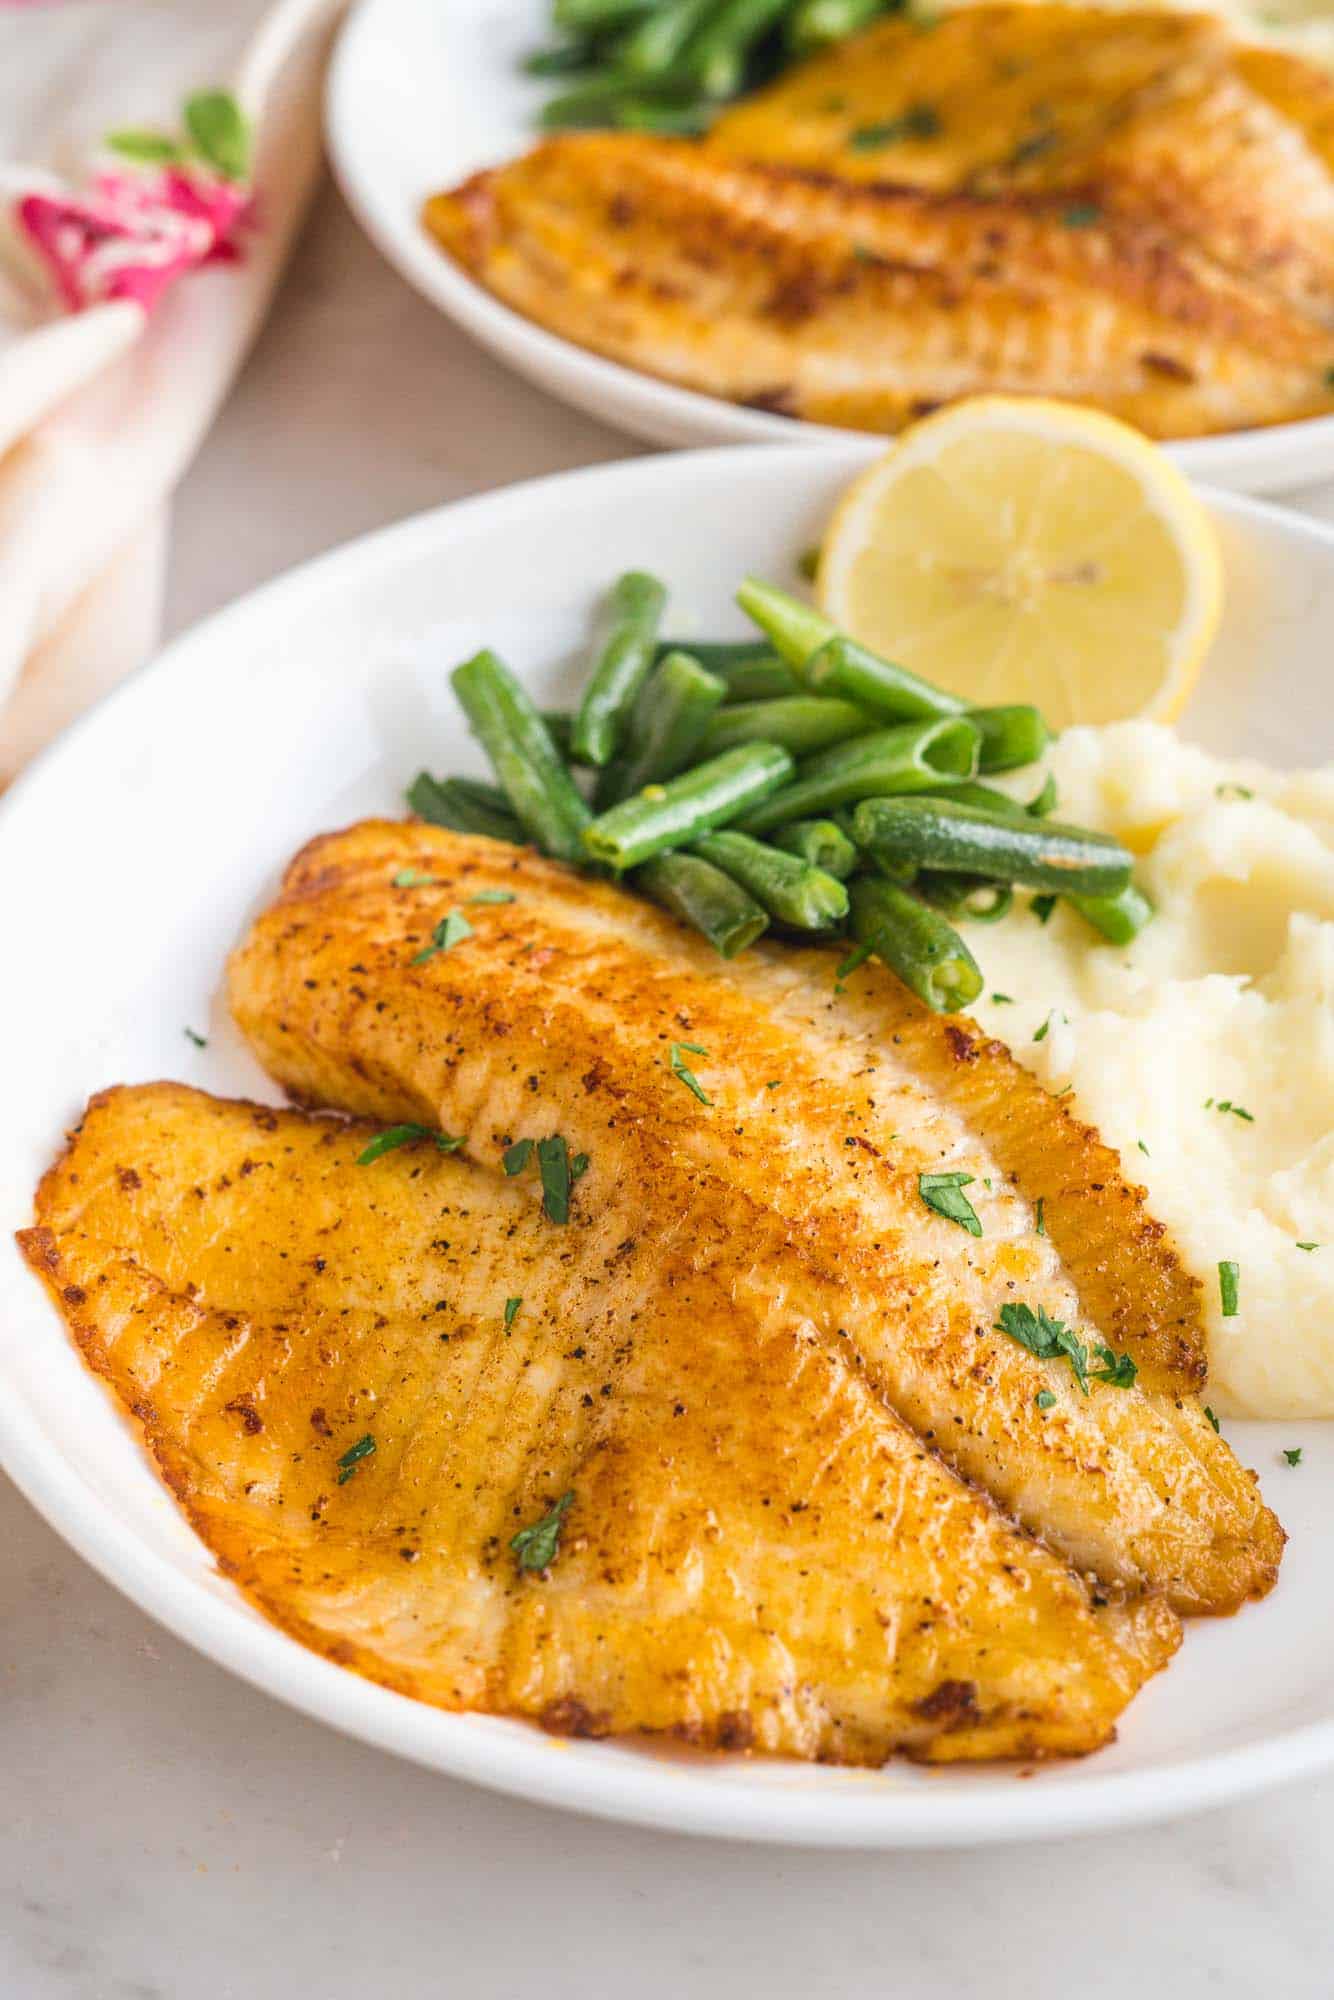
{"x": 101, "y": 409}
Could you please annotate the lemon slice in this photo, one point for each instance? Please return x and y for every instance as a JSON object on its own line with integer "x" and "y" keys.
{"x": 1023, "y": 550}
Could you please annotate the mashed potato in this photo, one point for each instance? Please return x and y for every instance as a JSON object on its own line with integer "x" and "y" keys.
{"x": 1226, "y": 998}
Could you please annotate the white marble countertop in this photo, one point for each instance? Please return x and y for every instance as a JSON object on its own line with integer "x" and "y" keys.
{"x": 169, "y": 1834}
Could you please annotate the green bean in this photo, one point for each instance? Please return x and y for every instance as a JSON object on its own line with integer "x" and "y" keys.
{"x": 636, "y": 604}
{"x": 913, "y": 758}
{"x": 916, "y": 943}
{"x": 526, "y": 761}
{"x": 442, "y": 804}
{"x": 750, "y": 667}
{"x": 802, "y": 723}
{"x": 764, "y": 679}
{"x": 989, "y": 799}
{"x": 658, "y": 43}
{"x": 668, "y": 723}
{"x": 822, "y": 842}
{"x": 598, "y": 17}
{"x": 718, "y": 54}
{"x": 490, "y": 797}
{"x": 672, "y": 815}
{"x": 816, "y": 24}
{"x": 560, "y": 727}
{"x": 720, "y": 656}
{"x": 904, "y": 872}
{"x": 638, "y": 114}
{"x": 958, "y": 896}
{"x": 831, "y": 663}
{"x": 1120, "y": 918}
{"x": 599, "y": 99}
{"x": 1041, "y": 854}
{"x": 790, "y": 889}
{"x": 706, "y": 899}
{"x": 565, "y": 59}
{"x": 843, "y": 667}
{"x": 1010, "y": 736}
{"x": 796, "y": 630}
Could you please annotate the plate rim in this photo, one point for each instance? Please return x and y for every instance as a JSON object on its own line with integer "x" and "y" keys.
{"x": 605, "y": 1781}
{"x": 663, "y": 412}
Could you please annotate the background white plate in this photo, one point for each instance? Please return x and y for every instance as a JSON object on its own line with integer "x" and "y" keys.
{"x": 423, "y": 92}
{"x": 131, "y": 857}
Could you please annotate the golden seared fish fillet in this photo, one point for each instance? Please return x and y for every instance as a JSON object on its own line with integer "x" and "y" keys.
{"x": 362, "y": 1381}
{"x": 865, "y": 305}
{"x": 558, "y": 1014}
{"x": 973, "y": 96}
{"x": 1154, "y": 115}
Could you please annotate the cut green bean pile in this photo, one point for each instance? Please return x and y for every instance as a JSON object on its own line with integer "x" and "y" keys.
{"x": 796, "y": 780}
{"x": 670, "y": 65}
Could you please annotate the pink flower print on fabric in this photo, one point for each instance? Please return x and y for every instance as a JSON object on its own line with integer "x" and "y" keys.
{"x": 131, "y": 235}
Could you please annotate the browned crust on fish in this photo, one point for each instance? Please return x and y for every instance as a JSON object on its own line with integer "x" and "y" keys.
{"x": 863, "y": 304}
{"x": 759, "y": 1557}
{"x": 558, "y": 1016}
{"x": 1117, "y": 206}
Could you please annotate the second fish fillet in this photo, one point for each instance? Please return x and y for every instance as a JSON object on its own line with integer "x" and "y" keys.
{"x": 560, "y": 1013}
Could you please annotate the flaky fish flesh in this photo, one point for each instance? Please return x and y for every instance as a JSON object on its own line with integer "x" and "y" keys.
{"x": 1118, "y": 207}
{"x": 560, "y": 1014}
{"x": 362, "y": 1381}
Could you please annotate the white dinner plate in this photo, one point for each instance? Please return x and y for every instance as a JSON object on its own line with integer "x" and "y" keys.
{"x": 132, "y": 856}
{"x": 423, "y": 92}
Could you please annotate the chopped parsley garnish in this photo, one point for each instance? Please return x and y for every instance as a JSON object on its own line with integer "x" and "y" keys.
{"x": 1229, "y": 1279}
{"x": 1044, "y": 1399}
{"x": 450, "y": 930}
{"x": 200, "y": 1041}
{"x": 1308, "y": 1246}
{"x": 1032, "y": 148}
{"x": 1226, "y": 1104}
{"x": 1040, "y": 1034}
{"x": 1050, "y": 1339}
{"x": 1046, "y": 800}
{"x": 1212, "y": 1418}
{"x": 352, "y": 1458}
{"x": 412, "y": 878}
{"x": 1042, "y": 907}
{"x": 558, "y": 1171}
{"x": 1293, "y": 1455}
{"x": 537, "y": 1547}
{"x": 406, "y": 1135}
{"x": 687, "y": 1076}
{"x": 1231, "y": 791}
{"x": 1143, "y": 1148}
{"x": 493, "y": 896}
{"x": 945, "y": 1194}
{"x": 1042, "y": 1215}
{"x": 919, "y": 121}
{"x": 1081, "y": 215}
{"x": 512, "y": 1311}
{"x": 1003, "y": 999}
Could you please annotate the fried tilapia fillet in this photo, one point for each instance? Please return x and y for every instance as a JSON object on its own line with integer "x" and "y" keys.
{"x": 1118, "y": 207}
{"x": 362, "y": 1380}
{"x": 559, "y": 1015}
{"x": 1156, "y": 116}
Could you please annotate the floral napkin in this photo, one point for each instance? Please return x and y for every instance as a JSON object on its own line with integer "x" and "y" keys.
{"x": 156, "y": 159}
